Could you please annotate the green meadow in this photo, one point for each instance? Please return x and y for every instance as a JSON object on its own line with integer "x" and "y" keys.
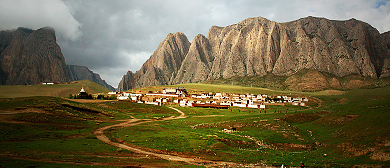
{"x": 57, "y": 90}
{"x": 336, "y": 129}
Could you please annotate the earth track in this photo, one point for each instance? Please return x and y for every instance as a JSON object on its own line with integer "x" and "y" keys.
{"x": 99, "y": 133}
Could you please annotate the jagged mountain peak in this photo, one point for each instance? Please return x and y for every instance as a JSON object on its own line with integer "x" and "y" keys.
{"x": 258, "y": 46}
{"x": 163, "y": 64}
{"x": 198, "y": 62}
{"x": 30, "y": 57}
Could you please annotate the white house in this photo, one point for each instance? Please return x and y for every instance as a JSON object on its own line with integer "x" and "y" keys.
{"x": 112, "y": 93}
{"x": 122, "y": 97}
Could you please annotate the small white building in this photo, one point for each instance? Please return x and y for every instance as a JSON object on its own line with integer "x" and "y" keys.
{"x": 112, "y": 93}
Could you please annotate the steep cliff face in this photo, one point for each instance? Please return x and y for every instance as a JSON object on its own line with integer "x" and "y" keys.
{"x": 198, "y": 62}
{"x": 258, "y": 46}
{"x": 127, "y": 82}
{"x": 76, "y": 73}
{"x": 162, "y": 66}
{"x": 386, "y": 61}
{"x": 31, "y": 57}
{"x": 250, "y": 47}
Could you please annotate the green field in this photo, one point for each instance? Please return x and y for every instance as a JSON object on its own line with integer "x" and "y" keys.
{"x": 337, "y": 129}
{"x": 37, "y": 131}
{"x": 58, "y": 90}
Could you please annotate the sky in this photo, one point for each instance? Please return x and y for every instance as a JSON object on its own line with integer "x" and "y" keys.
{"x": 111, "y": 37}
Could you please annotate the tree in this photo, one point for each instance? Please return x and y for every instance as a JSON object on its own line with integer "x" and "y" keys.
{"x": 113, "y": 97}
{"x": 100, "y": 97}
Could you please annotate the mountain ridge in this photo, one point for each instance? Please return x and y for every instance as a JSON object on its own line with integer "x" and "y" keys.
{"x": 258, "y": 46}
{"x": 76, "y": 73}
{"x": 30, "y": 57}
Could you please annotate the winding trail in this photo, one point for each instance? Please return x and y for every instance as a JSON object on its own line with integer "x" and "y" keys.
{"x": 99, "y": 133}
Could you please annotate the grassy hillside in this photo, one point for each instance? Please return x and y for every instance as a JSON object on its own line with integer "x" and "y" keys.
{"x": 201, "y": 87}
{"x": 60, "y": 90}
{"x": 270, "y": 81}
{"x": 341, "y": 129}
{"x": 54, "y": 132}
{"x": 344, "y": 129}
{"x": 305, "y": 80}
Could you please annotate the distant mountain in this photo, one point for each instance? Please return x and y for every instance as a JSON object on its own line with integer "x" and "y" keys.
{"x": 127, "y": 82}
{"x": 30, "y": 57}
{"x": 76, "y": 73}
{"x": 258, "y": 47}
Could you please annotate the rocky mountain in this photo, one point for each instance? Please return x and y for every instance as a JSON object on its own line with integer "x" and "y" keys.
{"x": 258, "y": 46}
{"x": 127, "y": 82}
{"x": 162, "y": 67}
{"x": 76, "y": 73}
{"x": 198, "y": 63}
{"x": 30, "y": 57}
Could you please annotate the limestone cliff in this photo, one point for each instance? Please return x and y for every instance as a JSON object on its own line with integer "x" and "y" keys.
{"x": 197, "y": 64}
{"x": 30, "y": 57}
{"x": 162, "y": 67}
{"x": 127, "y": 82}
{"x": 258, "y": 46}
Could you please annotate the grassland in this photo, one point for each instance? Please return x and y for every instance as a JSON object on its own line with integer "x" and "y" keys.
{"x": 305, "y": 80}
{"x": 340, "y": 129}
{"x": 37, "y": 131}
{"x": 337, "y": 129}
{"x": 58, "y": 90}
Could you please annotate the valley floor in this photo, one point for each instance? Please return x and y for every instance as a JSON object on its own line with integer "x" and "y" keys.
{"x": 343, "y": 130}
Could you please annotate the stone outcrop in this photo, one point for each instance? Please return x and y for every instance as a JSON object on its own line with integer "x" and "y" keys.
{"x": 258, "y": 46}
{"x": 197, "y": 64}
{"x": 127, "y": 82}
{"x": 76, "y": 73}
{"x": 162, "y": 67}
{"x": 31, "y": 57}
{"x": 386, "y": 62}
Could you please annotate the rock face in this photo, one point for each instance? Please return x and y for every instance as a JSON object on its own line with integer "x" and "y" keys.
{"x": 162, "y": 67}
{"x": 76, "y": 73}
{"x": 258, "y": 46}
{"x": 127, "y": 82}
{"x": 30, "y": 57}
{"x": 386, "y": 62}
{"x": 197, "y": 64}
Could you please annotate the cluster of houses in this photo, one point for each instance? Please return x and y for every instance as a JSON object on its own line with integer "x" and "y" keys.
{"x": 211, "y": 100}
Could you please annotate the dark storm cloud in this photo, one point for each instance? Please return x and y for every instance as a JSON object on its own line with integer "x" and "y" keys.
{"x": 39, "y": 13}
{"x": 111, "y": 37}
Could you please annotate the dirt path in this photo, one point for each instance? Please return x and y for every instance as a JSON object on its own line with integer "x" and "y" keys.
{"x": 132, "y": 122}
{"x": 7, "y": 116}
{"x": 89, "y": 100}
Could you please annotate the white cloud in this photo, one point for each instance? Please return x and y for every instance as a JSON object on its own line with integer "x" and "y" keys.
{"x": 35, "y": 14}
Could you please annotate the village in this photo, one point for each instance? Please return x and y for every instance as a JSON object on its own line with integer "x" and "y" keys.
{"x": 181, "y": 97}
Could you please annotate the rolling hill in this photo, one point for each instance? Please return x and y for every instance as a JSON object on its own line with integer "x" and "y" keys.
{"x": 57, "y": 90}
